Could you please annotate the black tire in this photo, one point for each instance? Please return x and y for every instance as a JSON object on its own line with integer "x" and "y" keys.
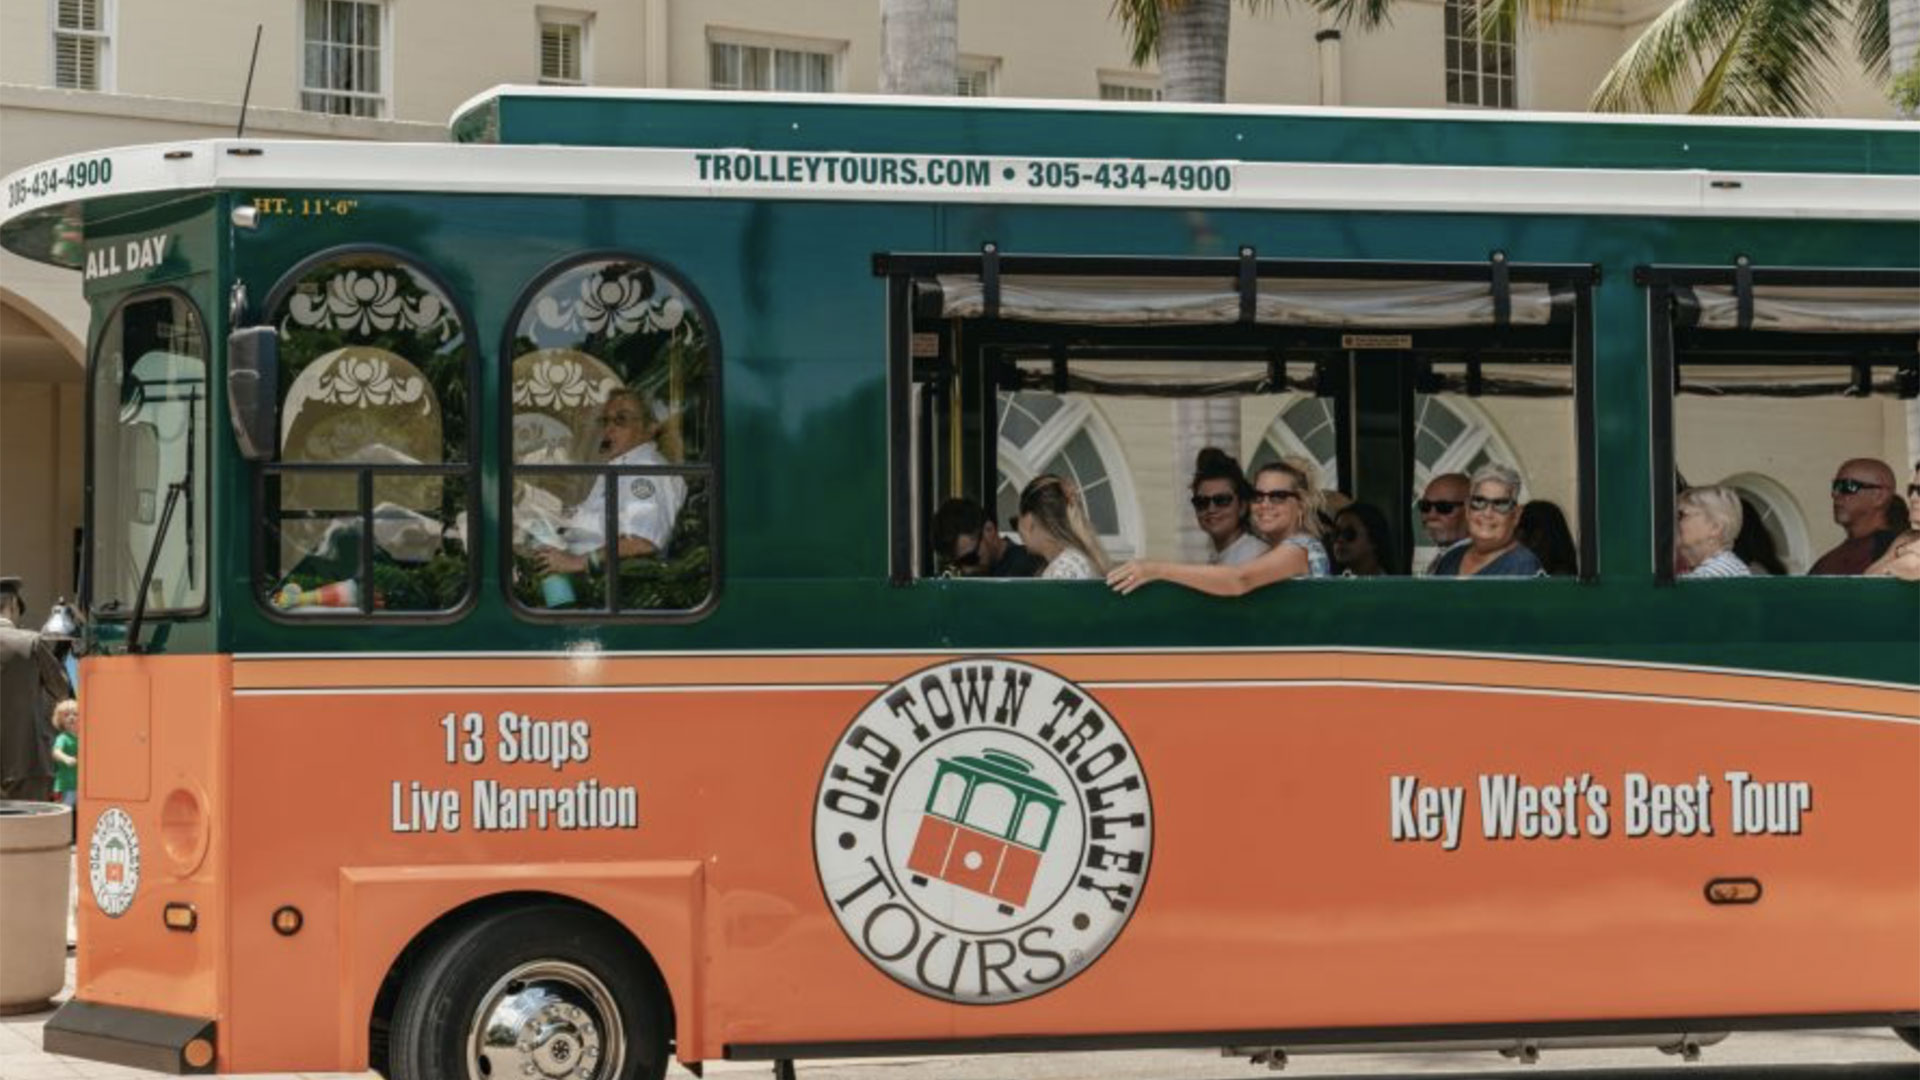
{"x": 573, "y": 970}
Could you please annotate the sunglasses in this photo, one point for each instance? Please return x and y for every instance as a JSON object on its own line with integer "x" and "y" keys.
{"x": 1913, "y": 491}
{"x": 1347, "y": 536}
{"x": 1220, "y": 500}
{"x": 1504, "y": 506}
{"x": 1275, "y": 496}
{"x": 1438, "y": 506}
{"x": 1847, "y": 485}
{"x": 971, "y": 558}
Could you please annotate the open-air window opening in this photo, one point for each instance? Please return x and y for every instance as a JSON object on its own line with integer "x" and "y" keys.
{"x": 1112, "y": 328}
{"x": 1742, "y": 348}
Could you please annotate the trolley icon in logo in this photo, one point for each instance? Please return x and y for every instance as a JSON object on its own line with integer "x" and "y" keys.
{"x": 982, "y": 831}
{"x": 987, "y": 823}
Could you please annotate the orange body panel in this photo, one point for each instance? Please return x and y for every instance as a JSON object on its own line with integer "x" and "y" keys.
{"x": 310, "y": 766}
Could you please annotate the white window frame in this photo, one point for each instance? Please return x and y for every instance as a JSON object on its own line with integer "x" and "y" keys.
{"x": 1132, "y": 83}
{"x": 582, "y": 21}
{"x": 1019, "y": 464}
{"x": 1511, "y": 79}
{"x": 834, "y": 50}
{"x": 103, "y": 54}
{"x": 985, "y": 70}
{"x": 1772, "y": 497}
{"x": 383, "y": 65}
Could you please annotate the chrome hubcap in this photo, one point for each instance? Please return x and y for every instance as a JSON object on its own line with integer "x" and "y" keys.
{"x": 547, "y": 1020}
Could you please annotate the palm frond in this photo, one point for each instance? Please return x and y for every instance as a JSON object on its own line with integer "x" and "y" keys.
{"x": 1873, "y": 35}
{"x": 1141, "y": 20}
{"x": 1733, "y": 57}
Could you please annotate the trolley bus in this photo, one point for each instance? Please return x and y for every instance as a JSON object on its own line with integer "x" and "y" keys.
{"x": 517, "y": 642}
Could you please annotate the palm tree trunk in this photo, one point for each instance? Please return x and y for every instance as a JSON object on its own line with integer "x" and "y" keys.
{"x": 1193, "y": 49}
{"x": 919, "y": 46}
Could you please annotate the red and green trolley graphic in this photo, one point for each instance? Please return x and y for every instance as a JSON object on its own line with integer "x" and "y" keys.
{"x": 988, "y": 821}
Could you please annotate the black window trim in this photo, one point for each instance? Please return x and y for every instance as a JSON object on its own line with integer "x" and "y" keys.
{"x": 88, "y": 572}
{"x": 711, "y": 469}
{"x": 900, "y": 268}
{"x": 470, "y": 470}
{"x": 1663, "y": 371}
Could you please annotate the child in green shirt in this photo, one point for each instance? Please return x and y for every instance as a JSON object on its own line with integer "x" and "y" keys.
{"x": 66, "y": 753}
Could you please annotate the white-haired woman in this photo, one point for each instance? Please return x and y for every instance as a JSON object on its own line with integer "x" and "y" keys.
{"x": 1492, "y": 547}
{"x": 1708, "y": 523}
{"x": 1285, "y": 507}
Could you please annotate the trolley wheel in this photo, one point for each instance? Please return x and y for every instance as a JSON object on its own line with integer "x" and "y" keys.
{"x": 547, "y": 991}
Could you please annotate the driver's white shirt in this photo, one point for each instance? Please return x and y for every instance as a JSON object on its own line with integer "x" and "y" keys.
{"x": 648, "y": 504}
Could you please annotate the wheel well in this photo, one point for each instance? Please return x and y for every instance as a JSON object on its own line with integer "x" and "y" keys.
{"x": 440, "y": 929}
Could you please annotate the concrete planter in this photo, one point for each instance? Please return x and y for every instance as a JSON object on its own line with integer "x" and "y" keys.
{"x": 33, "y": 903}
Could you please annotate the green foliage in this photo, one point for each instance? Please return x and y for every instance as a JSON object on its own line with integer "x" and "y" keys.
{"x": 1904, "y": 91}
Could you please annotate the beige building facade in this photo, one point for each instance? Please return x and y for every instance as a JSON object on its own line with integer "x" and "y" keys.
{"x": 83, "y": 74}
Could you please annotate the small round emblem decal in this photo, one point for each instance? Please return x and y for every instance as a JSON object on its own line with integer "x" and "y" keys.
{"x": 983, "y": 831}
{"x": 113, "y": 862}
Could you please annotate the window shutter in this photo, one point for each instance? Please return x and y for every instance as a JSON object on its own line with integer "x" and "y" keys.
{"x": 559, "y": 52}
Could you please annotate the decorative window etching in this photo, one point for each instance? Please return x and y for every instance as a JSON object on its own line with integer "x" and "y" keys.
{"x": 608, "y": 304}
{"x": 361, "y": 303}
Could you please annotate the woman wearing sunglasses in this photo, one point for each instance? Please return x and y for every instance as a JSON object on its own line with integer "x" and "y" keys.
{"x": 1492, "y": 547}
{"x": 1286, "y": 513}
{"x": 1362, "y": 541}
{"x": 1220, "y": 493}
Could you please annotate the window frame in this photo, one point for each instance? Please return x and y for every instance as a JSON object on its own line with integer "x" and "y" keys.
{"x": 581, "y": 21}
{"x": 968, "y": 68}
{"x": 468, "y": 471}
{"x": 1663, "y": 368}
{"x": 383, "y": 66}
{"x": 1510, "y": 80}
{"x": 900, "y": 269}
{"x": 89, "y": 576}
{"x": 1130, "y": 84}
{"x": 103, "y": 38}
{"x": 713, "y": 470}
{"x": 834, "y": 50}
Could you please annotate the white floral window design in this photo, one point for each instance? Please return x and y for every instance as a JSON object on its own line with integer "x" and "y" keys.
{"x": 375, "y": 378}
{"x": 608, "y": 378}
{"x": 1045, "y": 433}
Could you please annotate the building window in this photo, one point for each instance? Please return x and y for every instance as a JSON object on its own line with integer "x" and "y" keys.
{"x": 1129, "y": 86}
{"x": 563, "y": 48}
{"x": 795, "y": 68}
{"x": 974, "y": 76}
{"x": 1044, "y": 433}
{"x": 341, "y": 73}
{"x": 80, "y": 43}
{"x": 1480, "y": 56}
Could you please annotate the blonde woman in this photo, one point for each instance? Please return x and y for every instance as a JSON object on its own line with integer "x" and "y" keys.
{"x": 1902, "y": 559}
{"x": 1054, "y": 527}
{"x": 1708, "y": 520}
{"x": 1286, "y": 505}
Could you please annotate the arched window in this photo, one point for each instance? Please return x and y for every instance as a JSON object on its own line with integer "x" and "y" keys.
{"x": 1045, "y": 433}
{"x": 610, "y": 370}
{"x": 1780, "y": 516}
{"x": 377, "y": 372}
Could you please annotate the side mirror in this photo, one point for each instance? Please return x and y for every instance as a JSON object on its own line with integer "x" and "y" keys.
{"x": 253, "y": 390}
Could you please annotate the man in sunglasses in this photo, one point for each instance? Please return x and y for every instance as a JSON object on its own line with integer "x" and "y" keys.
{"x": 970, "y": 545}
{"x": 1864, "y": 505}
{"x": 1443, "y": 512}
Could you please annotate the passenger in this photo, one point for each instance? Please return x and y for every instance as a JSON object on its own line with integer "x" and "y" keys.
{"x": 1755, "y": 545}
{"x": 1056, "y": 528}
{"x": 1863, "y": 505}
{"x": 971, "y": 545}
{"x": 1220, "y": 492}
{"x": 632, "y": 432}
{"x": 1902, "y": 559}
{"x": 1493, "y": 517}
{"x": 1443, "y": 512}
{"x": 1361, "y": 541}
{"x": 1544, "y": 530}
{"x": 1709, "y": 522}
{"x": 1286, "y": 507}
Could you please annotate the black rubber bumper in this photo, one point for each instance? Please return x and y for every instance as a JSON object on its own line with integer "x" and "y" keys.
{"x": 141, "y": 1038}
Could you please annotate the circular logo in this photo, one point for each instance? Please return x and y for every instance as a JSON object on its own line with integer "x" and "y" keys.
{"x": 113, "y": 862}
{"x": 983, "y": 831}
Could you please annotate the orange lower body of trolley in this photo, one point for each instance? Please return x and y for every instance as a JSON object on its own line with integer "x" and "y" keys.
{"x": 974, "y": 860}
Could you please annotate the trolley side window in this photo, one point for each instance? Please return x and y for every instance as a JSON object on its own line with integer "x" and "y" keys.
{"x": 612, "y": 479}
{"x": 368, "y": 502}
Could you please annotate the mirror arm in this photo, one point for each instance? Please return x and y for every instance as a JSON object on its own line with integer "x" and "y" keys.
{"x": 175, "y": 491}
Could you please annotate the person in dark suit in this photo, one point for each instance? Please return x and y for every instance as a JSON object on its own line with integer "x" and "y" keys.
{"x": 31, "y": 680}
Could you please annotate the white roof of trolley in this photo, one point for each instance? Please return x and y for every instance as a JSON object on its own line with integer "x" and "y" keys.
{"x": 34, "y": 193}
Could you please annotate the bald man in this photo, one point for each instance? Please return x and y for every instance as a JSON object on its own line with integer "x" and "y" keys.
{"x": 1443, "y": 512}
{"x": 1863, "y": 502}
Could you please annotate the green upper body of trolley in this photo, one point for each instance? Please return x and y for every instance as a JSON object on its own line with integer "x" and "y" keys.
{"x": 800, "y": 322}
